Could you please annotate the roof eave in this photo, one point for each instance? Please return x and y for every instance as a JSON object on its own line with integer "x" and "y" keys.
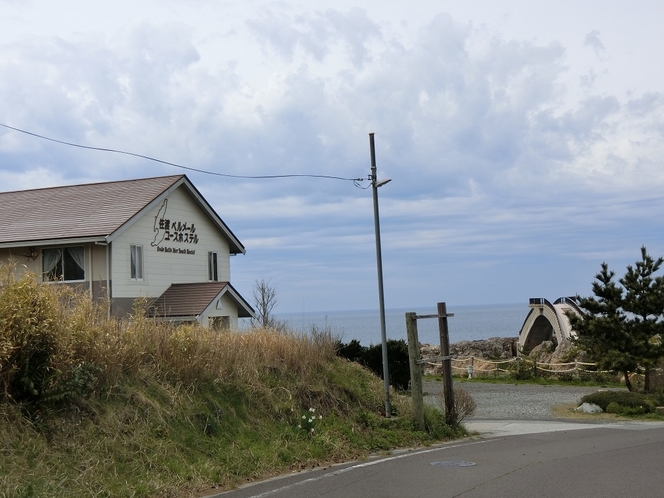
{"x": 239, "y": 301}
{"x": 52, "y": 242}
{"x": 244, "y": 310}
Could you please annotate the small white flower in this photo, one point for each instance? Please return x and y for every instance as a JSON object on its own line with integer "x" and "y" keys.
{"x": 320, "y": 417}
{"x": 304, "y": 417}
{"x": 311, "y": 420}
{"x": 312, "y": 430}
{"x": 312, "y": 410}
{"x": 299, "y": 426}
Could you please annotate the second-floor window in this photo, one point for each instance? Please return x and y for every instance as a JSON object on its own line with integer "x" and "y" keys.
{"x": 213, "y": 271}
{"x": 136, "y": 256}
{"x": 63, "y": 263}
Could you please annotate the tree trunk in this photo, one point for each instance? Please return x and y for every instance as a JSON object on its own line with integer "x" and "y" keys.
{"x": 628, "y": 384}
{"x": 646, "y": 380}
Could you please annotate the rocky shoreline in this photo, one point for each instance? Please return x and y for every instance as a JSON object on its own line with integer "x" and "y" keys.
{"x": 495, "y": 348}
{"x": 485, "y": 353}
{"x": 506, "y": 348}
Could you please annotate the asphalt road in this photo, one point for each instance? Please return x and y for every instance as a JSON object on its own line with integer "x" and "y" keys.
{"x": 519, "y": 450}
{"x": 609, "y": 460}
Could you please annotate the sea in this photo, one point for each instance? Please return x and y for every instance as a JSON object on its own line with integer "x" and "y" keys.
{"x": 469, "y": 323}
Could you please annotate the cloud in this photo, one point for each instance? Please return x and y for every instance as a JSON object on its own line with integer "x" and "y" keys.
{"x": 316, "y": 35}
{"x": 498, "y": 161}
{"x": 593, "y": 41}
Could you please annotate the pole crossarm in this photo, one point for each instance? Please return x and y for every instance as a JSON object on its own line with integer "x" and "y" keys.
{"x": 435, "y": 359}
{"x": 418, "y": 317}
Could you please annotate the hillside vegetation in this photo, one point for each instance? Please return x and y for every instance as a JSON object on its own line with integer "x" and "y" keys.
{"x": 92, "y": 406}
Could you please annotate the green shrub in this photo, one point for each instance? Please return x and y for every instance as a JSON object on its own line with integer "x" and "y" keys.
{"x": 627, "y": 410}
{"x": 352, "y": 351}
{"x": 522, "y": 369}
{"x": 635, "y": 403}
{"x": 398, "y": 361}
{"x": 29, "y": 332}
{"x": 79, "y": 383}
{"x": 613, "y": 407}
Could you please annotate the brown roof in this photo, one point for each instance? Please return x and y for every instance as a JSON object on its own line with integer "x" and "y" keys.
{"x": 94, "y": 210}
{"x": 75, "y": 211}
{"x": 182, "y": 300}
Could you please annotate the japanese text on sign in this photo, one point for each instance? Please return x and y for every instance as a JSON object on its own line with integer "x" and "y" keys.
{"x": 177, "y": 231}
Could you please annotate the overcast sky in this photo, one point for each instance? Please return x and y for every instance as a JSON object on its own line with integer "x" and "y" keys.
{"x": 523, "y": 139}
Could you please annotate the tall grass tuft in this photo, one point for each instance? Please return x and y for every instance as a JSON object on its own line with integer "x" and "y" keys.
{"x": 50, "y": 333}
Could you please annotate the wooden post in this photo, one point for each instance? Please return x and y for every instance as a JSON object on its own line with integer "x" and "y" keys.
{"x": 415, "y": 370}
{"x": 448, "y": 388}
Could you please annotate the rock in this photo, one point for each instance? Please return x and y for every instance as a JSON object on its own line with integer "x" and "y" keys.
{"x": 589, "y": 408}
{"x": 495, "y": 348}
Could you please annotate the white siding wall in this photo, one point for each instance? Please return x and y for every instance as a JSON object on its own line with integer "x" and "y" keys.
{"x": 160, "y": 269}
{"x": 228, "y": 308}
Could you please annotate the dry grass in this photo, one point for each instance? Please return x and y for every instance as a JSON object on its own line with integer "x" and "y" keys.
{"x": 92, "y": 406}
{"x": 55, "y": 330}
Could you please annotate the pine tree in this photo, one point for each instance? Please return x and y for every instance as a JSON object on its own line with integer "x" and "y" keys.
{"x": 600, "y": 328}
{"x": 643, "y": 305}
{"x": 621, "y": 326}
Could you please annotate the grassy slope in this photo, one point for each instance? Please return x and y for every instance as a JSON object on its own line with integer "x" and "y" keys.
{"x": 151, "y": 438}
{"x": 92, "y": 406}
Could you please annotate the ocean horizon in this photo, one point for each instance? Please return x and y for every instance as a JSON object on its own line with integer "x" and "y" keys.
{"x": 470, "y": 322}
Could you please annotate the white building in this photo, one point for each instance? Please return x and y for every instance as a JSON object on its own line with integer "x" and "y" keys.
{"x": 152, "y": 238}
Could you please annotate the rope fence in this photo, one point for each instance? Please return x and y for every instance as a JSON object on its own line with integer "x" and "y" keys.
{"x": 469, "y": 366}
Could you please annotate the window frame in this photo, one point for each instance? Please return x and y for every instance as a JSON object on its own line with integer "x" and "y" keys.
{"x": 136, "y": 263}
{"x": 219, "y": 323}
{"x": 62, "y": 263}
{"x": 213, "y": 266}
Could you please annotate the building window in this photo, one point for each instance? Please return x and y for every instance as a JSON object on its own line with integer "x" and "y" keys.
{"x": 63, "y": 264}
{"x": 219, "y": 322}
{"x": 213, "y": 272}
{"x": 136, "y": 253}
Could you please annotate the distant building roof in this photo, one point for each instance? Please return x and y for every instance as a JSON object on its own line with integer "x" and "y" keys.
{"x": 190, "y": 300}
{"x": 94, "y": 211}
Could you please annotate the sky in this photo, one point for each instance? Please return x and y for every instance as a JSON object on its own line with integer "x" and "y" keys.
{"x": 523, "y": 139}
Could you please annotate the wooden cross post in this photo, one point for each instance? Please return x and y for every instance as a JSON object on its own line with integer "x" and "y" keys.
{"x": 448, "y": 388}
{"x": 415, "y": 370}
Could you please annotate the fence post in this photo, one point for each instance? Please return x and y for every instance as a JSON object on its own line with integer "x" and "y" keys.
{"x": 415, "y": 370}
{"x": 448, "y": 388}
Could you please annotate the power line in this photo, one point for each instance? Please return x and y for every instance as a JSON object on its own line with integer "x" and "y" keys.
{"x": 225, "y": 175}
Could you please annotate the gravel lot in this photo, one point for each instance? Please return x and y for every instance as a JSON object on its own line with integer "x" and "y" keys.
{"x": 512, "y": 401}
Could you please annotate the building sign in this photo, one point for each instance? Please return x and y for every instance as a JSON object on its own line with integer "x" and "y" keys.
{"x": 167, "y": 230}
{"x": 177, "y": 231}
{"x": 175, "y": 250}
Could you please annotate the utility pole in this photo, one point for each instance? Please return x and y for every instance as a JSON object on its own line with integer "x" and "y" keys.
{"x": 379, "y": 264}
